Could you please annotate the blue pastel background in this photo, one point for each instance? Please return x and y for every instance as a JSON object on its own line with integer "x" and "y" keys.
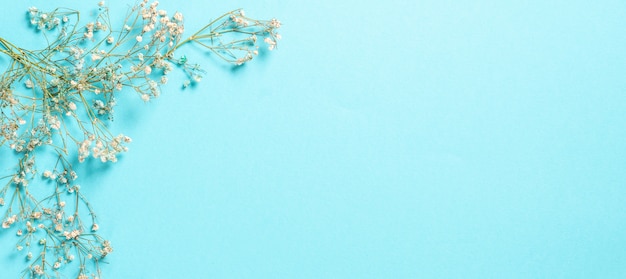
{"x": 397, "y": 139}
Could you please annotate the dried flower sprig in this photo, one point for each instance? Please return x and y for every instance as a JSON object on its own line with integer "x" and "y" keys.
{"x": 60, "y": 100}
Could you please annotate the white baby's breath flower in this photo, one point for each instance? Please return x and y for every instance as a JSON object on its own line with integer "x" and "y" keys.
{"x": 270, "y": 42}
{"x": 178, "y": 16}
{"x": 9, "y": 221}
{"x": 139, "y": 39}
{"x": 33, "y": 11}
{"x": 275, "y": 23}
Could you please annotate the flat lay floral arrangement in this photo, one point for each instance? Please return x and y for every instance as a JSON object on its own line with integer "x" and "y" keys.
{"x": 57, "y": 103}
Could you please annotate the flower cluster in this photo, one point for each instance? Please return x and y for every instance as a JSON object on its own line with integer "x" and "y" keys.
{"x": 58, "y": 102}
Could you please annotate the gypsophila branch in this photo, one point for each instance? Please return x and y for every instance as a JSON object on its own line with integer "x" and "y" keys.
{"x": 60, "y": 100}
